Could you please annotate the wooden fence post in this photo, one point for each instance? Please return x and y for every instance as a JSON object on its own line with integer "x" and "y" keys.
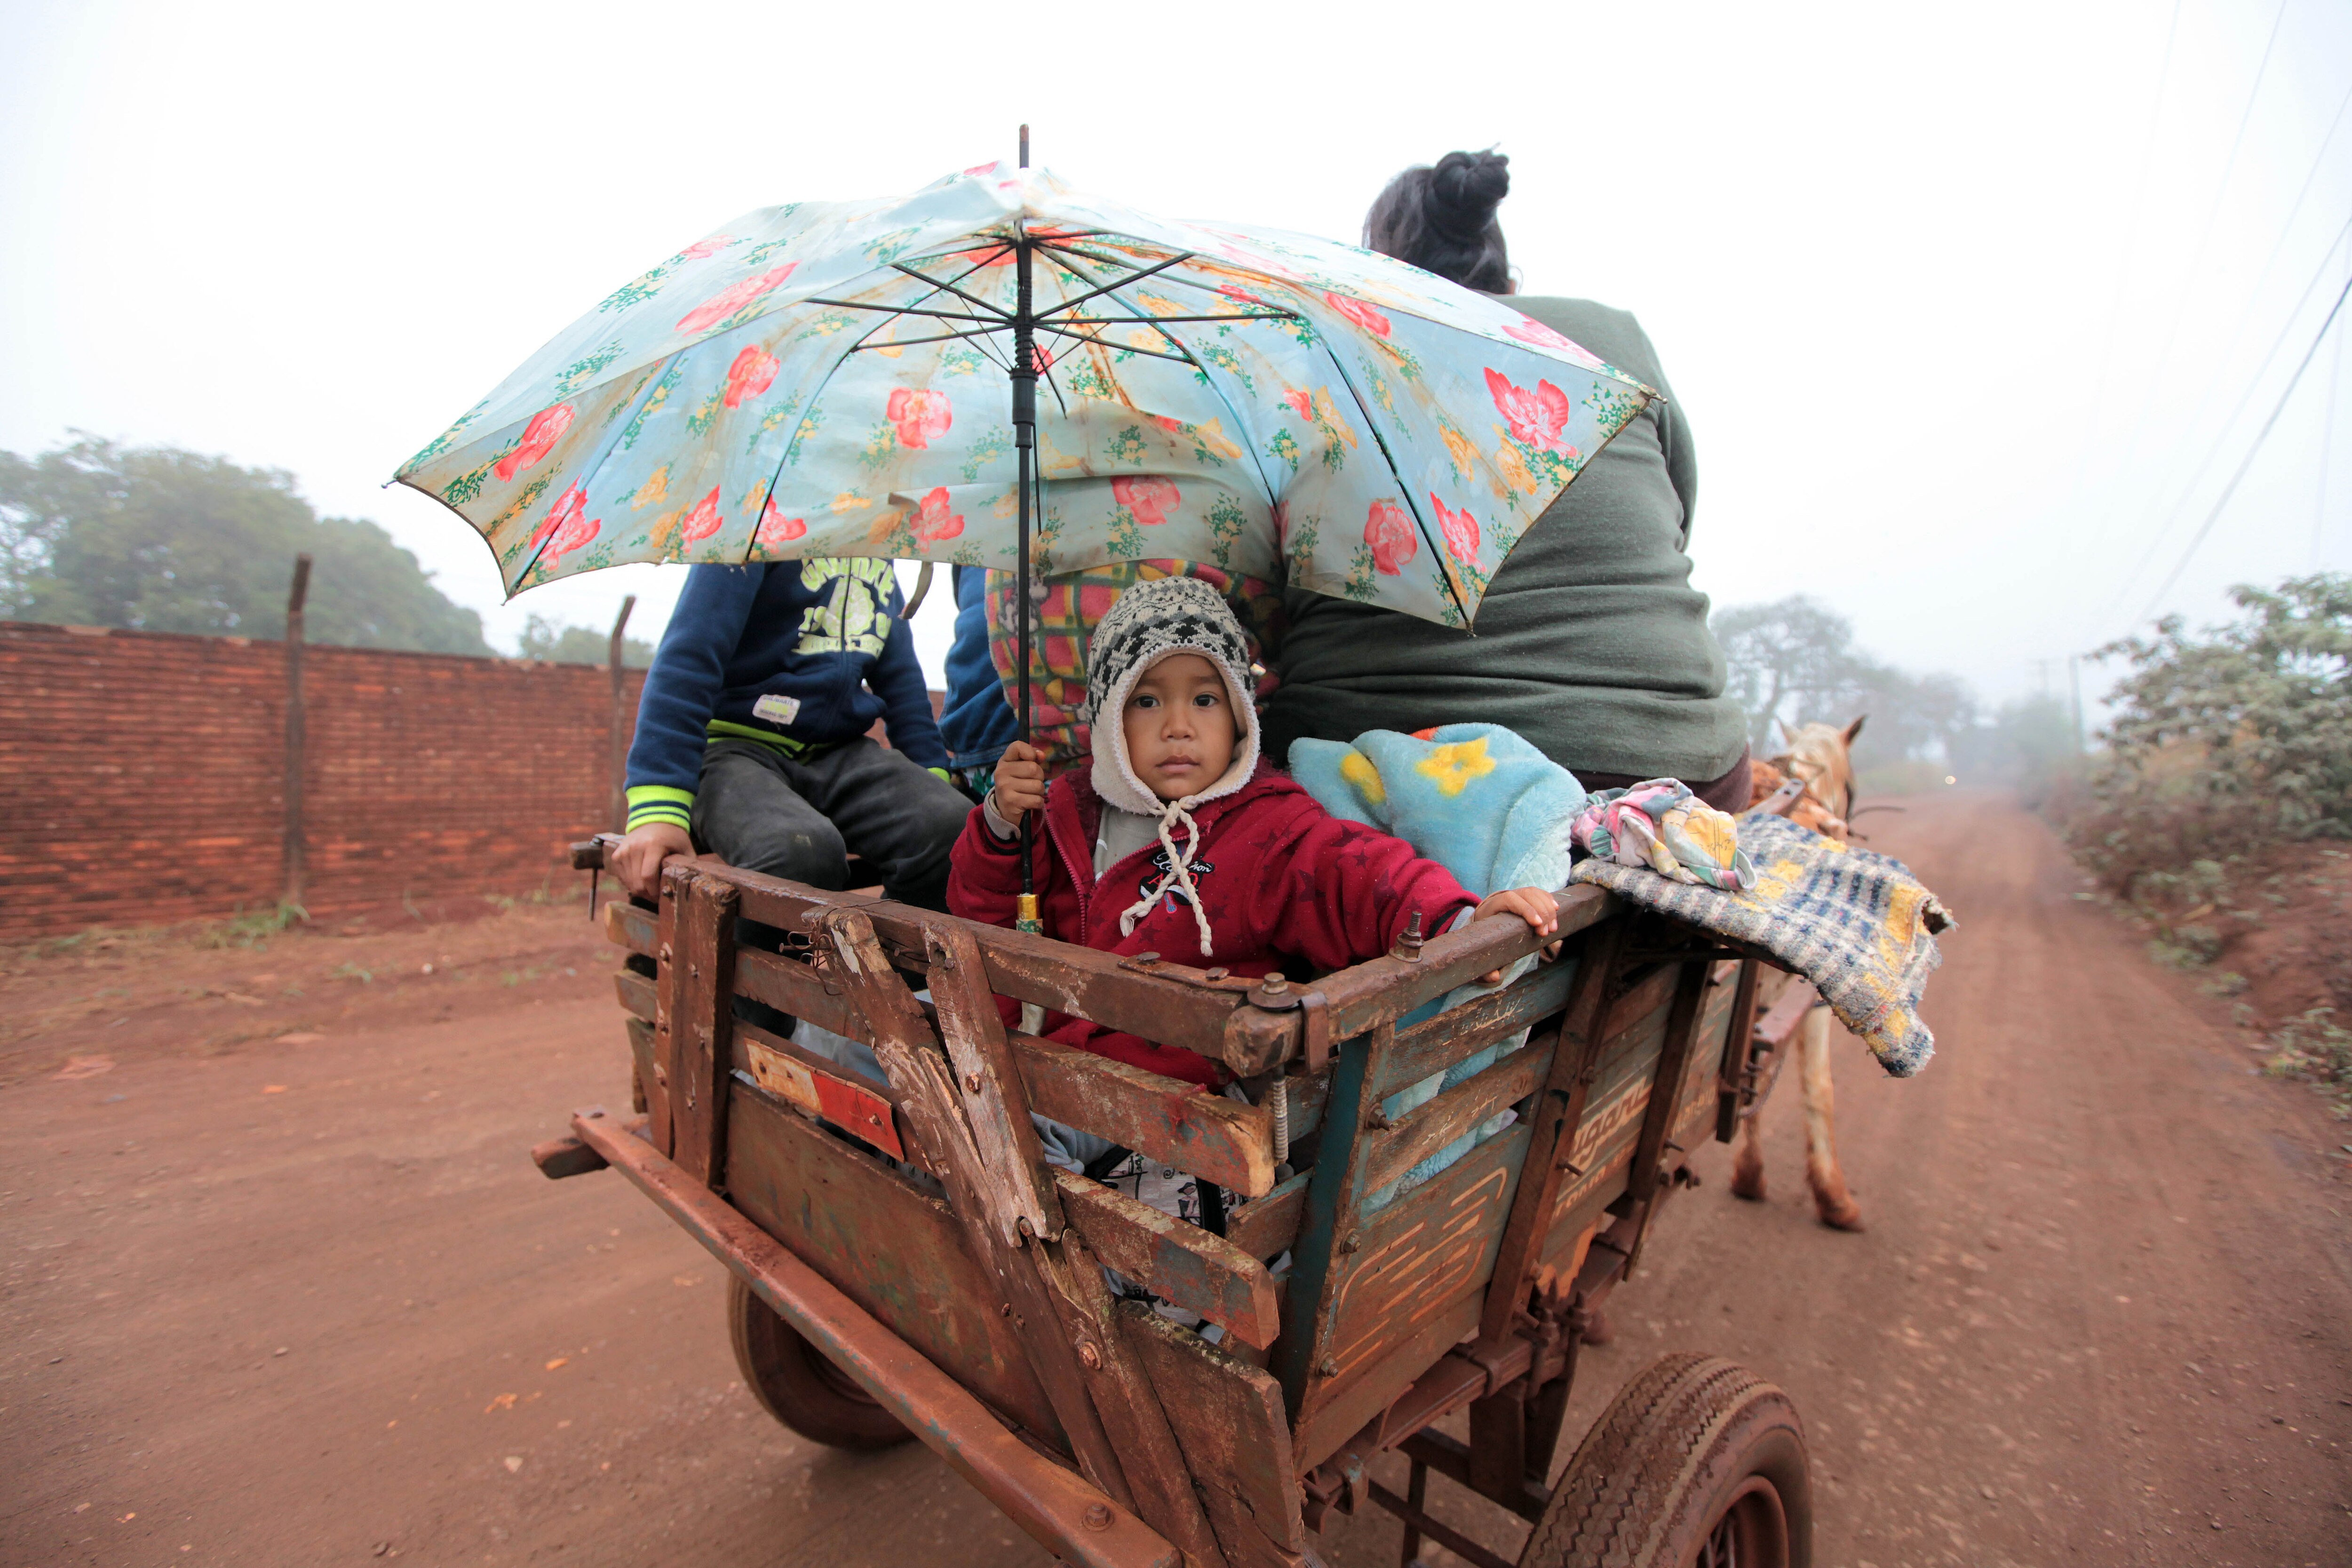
{"x": 621, "y": 725}
{"x": 294, "y": 865}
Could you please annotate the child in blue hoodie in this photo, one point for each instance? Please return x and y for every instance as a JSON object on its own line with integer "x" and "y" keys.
{"x": 752, "y": 735}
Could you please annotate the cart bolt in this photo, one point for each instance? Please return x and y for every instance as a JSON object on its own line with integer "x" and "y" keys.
{"x": 1089, "y": 1354}
{"x": 1274, "y": 985}
{"x": 665, "y": 952}
{"x": 972, "y": 1082}
{"x": 1097, "y": 1516}
{"x": 1327, "y": 1367}
{"x": 1352, "y": 1245}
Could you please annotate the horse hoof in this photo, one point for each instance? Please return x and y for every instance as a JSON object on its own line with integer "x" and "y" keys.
{"x": 1744, "y": 1185}
{"x": 1598, "y": 1329}
{"x": 1847, "y": 1216}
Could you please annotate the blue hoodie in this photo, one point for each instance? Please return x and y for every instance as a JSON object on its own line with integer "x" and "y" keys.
{"x": 797, "y": 655}
{"x": 977, "y": 722}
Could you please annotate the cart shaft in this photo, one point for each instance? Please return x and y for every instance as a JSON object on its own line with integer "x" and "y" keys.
{"x": 1058, "y": 1509}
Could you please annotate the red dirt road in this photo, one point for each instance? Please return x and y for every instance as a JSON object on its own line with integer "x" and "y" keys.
{"x": 273, "y": 1303}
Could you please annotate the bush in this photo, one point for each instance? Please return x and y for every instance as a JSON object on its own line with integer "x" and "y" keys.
{"x": 2317, "y": 1049}
{"x": 2223, "y": 746}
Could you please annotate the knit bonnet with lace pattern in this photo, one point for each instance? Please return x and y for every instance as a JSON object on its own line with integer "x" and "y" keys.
{"x": 1149, "y": 622}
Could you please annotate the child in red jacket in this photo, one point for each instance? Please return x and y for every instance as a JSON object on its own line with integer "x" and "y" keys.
{"x": 1178, "y": 837}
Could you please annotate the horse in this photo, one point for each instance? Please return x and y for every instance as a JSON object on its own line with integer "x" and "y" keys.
{"x": 1822, "y": 756}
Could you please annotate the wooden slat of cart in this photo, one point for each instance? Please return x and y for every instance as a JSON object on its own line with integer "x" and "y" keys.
{"x": 829, "y": 1203}
{"x": 1027, "y": 1215}
{"x": 1228, "y": 1416}
{"x": 1301, "y": 1359}
{"x": 1673, "y": 1058}
{"x": 1174, "y": 1006}
{"x": 1420, "y": 1261}
{"x": 1436, "y": 1044}
{"x": 904, "y": 1044}
{"x": 1166, "y": 1118}
{"x": 1190, "y": 1267}
{"x": 1458, "y": 1112}
{"x": 1557, "y": 1114}
{"x": 1385, "y": 989}
{"x": 703, "y": 1013}
{"x": 676, "y": 877}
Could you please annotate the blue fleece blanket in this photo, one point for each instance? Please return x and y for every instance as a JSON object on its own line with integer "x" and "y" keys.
{"x": 1485, "y": 804}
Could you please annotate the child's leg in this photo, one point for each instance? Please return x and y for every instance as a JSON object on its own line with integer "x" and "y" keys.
{"x": 750, "y": 815}
{"x": 903, "y": 818}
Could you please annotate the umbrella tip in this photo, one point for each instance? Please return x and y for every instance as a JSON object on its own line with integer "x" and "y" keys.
{"x": 1025, "y": 146}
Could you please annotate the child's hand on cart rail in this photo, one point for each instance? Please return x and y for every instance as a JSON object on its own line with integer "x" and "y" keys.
{"x": 1532, "y": 904}
{"x": 638, "y": 858}
{"x": 1020, "y": 781}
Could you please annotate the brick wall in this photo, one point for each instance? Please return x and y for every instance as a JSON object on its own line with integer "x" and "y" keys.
{"x": 144, "y": 774}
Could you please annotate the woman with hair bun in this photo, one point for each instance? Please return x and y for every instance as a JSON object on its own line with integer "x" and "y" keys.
{"x": 1590, "y": 641}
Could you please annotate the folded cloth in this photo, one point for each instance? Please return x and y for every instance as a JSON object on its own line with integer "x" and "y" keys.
{"x": 1663, "y": 825}
{"x": 1855, "y": 923}
{"x": 1490, "y": 808}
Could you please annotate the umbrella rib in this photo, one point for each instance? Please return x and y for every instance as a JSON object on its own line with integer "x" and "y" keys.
{"x": 1437, "y": 551}
{"x": 995, "y": 312}
{"x": 1240, "y": 426}
{"x": 1184, "y": 358}
{"x": 942, "y": 338}
{"x": 1104, "y": 288}
{"x": 900, "y": 309}
{"x": 614, "y": 430}
{"x": 1122, "y": 321}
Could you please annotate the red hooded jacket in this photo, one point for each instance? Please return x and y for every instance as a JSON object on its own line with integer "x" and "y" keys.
{"x": 1280, "y": 878}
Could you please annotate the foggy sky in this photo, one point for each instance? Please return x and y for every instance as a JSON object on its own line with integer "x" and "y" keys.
{"x": 1957, "y": 302}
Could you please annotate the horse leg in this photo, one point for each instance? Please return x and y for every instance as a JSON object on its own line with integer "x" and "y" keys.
{"x": 1748, "y": 1158}
{"x": 1835, "y": 1205}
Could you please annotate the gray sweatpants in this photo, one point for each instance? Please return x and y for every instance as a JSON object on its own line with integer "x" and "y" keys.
{"x": 765, "y": 811}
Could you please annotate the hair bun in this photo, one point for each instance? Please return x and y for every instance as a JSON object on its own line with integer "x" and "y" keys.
{"x": 1464, "y": 190}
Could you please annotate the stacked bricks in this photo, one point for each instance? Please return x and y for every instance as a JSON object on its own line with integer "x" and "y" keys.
{"x": 145, "y": 775}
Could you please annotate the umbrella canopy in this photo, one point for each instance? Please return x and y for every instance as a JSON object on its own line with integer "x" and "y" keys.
{"x": 843, "y": 379}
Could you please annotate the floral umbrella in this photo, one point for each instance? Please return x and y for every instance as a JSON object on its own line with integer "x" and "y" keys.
{"x": 862, "y": 379}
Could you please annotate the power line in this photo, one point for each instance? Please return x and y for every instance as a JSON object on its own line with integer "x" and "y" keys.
{"x": 2254, "y": 293}
{"x": 2327, "y": 445}
{"x": 2197, "y": 258}
{"x": 2263, "y": 434}
{"x": 2131, "y": 238}
{"x": 2253, "y": 383}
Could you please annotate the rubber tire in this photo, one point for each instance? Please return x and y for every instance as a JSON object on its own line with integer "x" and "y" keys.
{"x": 1678, "y": 1447}
{"x": 796, "y": 1382}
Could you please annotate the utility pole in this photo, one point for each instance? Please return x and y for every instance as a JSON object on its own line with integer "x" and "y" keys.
{"x": 294, "y": 867}
{"x": 621, "y": 727}
{"x": 2075, "y": 676}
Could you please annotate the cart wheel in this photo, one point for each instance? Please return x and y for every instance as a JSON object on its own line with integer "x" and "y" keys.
{"x": 1698, "y": 1464}
{"x": 798, "y": 1384}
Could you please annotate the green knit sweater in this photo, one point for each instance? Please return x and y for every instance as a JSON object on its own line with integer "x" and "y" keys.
{"x": 1591, "y": 642}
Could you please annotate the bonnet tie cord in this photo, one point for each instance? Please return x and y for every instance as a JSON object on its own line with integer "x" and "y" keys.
{"x": 1180, "y": 873}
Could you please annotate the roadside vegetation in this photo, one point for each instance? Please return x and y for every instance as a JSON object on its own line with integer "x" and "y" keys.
{"x": 2218, "y": 814}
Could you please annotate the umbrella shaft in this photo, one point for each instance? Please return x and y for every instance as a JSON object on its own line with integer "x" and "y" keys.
{"x": 1024, "y": 439}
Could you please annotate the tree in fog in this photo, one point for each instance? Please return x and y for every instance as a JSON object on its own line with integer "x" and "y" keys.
{"x": 1790, "y": 662}
{"x": 543, "y": 639}
{"x": 1793, "y": 662}
{"x": 157, "y": 538}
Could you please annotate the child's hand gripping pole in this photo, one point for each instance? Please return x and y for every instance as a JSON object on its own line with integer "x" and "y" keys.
{"x": 1019, "y": 792}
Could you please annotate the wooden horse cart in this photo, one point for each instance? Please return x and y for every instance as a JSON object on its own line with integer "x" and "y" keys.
{"x": 905, "y": 1264}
